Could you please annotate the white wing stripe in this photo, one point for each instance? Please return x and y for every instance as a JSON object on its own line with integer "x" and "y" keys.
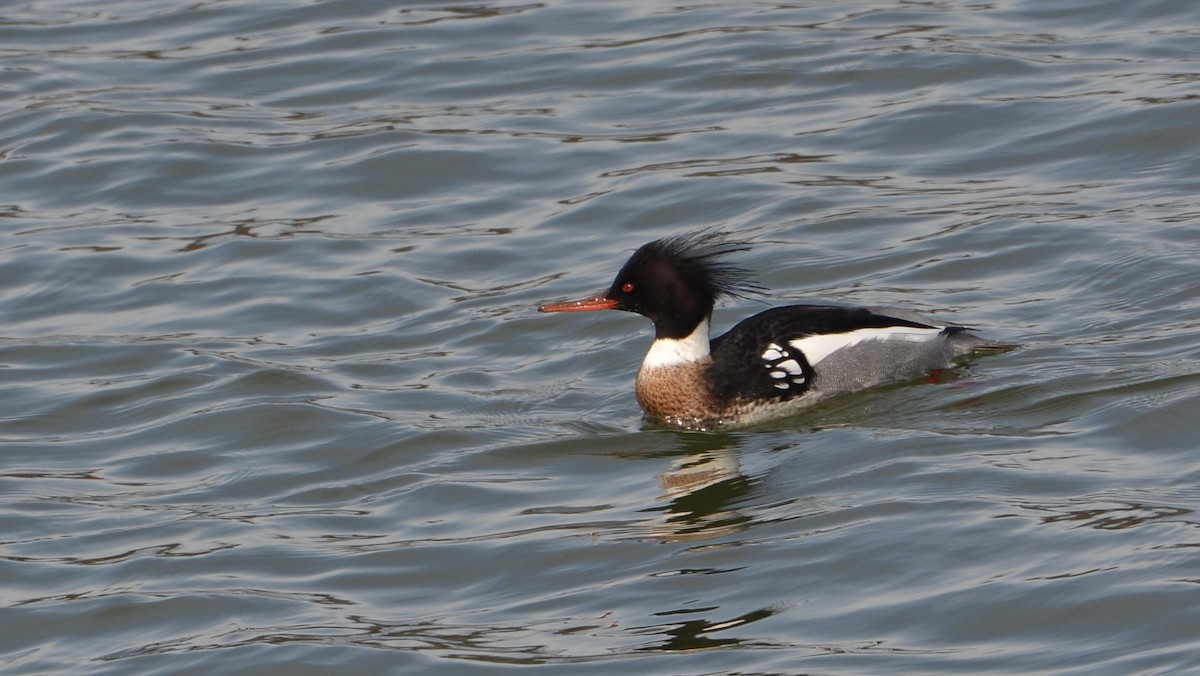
{"x": 816, "y": 348}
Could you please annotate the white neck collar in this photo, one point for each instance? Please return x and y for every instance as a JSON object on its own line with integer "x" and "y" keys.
{"x": 674, "y": 351}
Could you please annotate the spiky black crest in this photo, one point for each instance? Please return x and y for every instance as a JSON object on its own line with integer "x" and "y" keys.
{"x": 699, "y": 254}
{"x": 675, "y": 281}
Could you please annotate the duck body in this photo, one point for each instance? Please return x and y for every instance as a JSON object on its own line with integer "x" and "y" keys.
{"x": 770, "y": 364}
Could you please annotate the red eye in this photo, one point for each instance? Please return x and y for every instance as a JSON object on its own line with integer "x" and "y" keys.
{"x": 628, "y": 288}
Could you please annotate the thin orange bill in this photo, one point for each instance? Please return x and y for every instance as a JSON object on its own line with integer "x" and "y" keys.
{"x": 584, "y": 305}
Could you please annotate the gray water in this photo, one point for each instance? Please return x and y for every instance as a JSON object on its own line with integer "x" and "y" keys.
{"x": 276, "y": 400}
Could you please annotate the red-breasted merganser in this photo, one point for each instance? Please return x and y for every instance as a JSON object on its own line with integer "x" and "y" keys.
{"x": 770, "y": 364}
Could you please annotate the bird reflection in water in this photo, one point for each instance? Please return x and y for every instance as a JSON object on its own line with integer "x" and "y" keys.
{"x": 699, "y": 489}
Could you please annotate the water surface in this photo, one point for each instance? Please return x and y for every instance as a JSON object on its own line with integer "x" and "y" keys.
{"x": 276, "y": 398}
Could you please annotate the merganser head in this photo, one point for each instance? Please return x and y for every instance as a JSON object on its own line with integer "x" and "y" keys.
{"x": 673, "y": 281}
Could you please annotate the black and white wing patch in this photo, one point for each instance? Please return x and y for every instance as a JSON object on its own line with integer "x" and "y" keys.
{"x": 788, "y": 369}
{"x": 773, "y": 355}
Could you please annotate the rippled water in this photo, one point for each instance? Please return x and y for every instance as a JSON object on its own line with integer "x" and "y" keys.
{"x": 276, "y": 398}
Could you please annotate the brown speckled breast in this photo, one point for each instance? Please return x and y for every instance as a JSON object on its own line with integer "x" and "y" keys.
{"x": 677, "y": 394}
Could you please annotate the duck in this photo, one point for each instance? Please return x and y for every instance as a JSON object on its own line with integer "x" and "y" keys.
{"x": 772, "y": 364}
